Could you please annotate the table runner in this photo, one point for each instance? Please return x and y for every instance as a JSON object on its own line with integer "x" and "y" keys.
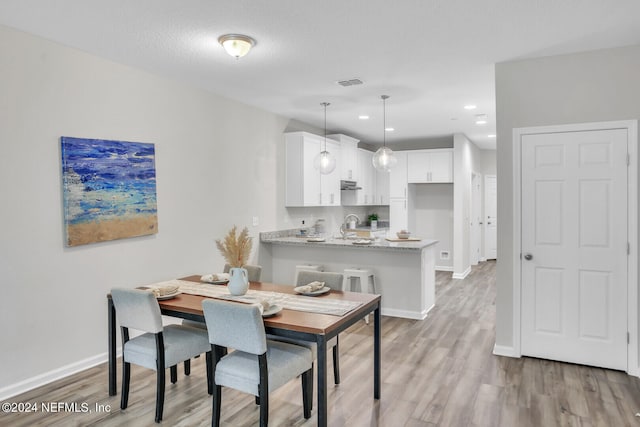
{"x": 290, "y": 302}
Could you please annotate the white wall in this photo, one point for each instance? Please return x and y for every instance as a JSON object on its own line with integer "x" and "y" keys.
{"x": 592, "y": 86}
{"x": 488, "y": 162}
{"x": 216, "y": 163}
{"x": 433, "y": 218}
{"x": 466, "y": 159}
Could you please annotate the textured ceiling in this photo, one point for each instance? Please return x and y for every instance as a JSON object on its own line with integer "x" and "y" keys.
{"x": 431, "y": 56}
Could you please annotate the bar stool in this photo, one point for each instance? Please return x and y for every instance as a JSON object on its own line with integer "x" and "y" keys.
{"x": 363, "y": 275}
{"x": 306, "y": 267}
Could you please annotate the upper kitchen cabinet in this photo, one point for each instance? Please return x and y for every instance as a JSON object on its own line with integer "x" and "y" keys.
{"x": 305, "y": 185}
{"x": 430, "y": 166}
{"x": 398, "y": 177}
{"x": 382, "y": 188}
{"x": 367, "y": 178}
{"x": 348, "y": 156}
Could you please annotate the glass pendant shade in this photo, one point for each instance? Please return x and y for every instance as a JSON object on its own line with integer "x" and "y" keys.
{"x": 384, "y": 159}
{"x": 324, "y": 162}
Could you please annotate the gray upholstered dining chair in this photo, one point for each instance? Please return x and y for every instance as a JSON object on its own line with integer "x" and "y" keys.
{"x": 253, "y": 274}
{"x": 334, "y": 281}
{"x": 256, "y": 366}
{"x": 158, "y": 347}
{"x": 253, "y": 271}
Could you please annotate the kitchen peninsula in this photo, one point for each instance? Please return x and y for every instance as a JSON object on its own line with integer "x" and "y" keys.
{"x": 404, "y": 271}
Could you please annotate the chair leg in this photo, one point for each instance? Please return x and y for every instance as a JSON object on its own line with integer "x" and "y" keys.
{"x": 215, "y": 354}
{"x": 126, "y": 378}
{"x": 160, "y": 375}
{"x": 307, "y": 392}
{"x": 174, "y": 374}
{"x": 257, "y": 400}
{"x": 209, "y": 373}
{"x": 336, "y": 363}
{"x": 160, "y": 394}
{"x": 216, "y": 401}
{"x": 187, "y": 367}
{"x": 263, "y": 390}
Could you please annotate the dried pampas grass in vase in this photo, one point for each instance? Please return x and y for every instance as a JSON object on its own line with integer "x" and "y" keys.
{"x": 235, "y": 248}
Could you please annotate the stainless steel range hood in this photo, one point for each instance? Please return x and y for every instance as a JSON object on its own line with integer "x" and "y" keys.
{"x": 349, "y": 185}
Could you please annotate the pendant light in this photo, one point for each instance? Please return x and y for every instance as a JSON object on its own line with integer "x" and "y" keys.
{"x": 324, "y": 161}
{"x": 384, "y": 159}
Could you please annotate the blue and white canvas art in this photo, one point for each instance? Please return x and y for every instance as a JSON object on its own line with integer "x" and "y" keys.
{"x": 109, "y": 189}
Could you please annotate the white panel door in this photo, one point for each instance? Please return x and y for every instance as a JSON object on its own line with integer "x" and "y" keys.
{"x": 574, "y": 247}
{"x": 491, "y": 217}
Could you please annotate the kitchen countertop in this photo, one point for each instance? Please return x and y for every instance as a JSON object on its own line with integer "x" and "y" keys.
{"x": 381, "y": 244}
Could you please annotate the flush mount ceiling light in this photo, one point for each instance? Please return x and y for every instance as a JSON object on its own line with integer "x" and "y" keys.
{"x": 363, "y": 117}
{"x": 324, "y": 161}
{"x": 384, "y": 159}
{"x": 236, "y": 45}
{"x": 470, "y": 107}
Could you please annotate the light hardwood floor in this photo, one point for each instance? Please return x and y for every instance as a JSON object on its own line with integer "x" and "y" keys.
{"x": 436, "y": 372}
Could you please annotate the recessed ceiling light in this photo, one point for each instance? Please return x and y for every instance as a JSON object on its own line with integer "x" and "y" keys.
{"x": 491, "y": 135}
{"x": 481, "y": 119}
{"x": 470, "y": 107}
{"x": 363, "y": 117}
{"x": 389, "y": 129}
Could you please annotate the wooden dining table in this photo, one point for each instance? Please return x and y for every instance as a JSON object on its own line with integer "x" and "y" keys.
{"x": 308, "y": 326}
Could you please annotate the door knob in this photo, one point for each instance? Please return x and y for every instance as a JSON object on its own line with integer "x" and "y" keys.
{"x": 528, "y": 257}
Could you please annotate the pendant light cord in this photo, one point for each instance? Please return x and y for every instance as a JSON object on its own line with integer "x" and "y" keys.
{"x": 384, "y": 119}
{"x": 325, "y": 104}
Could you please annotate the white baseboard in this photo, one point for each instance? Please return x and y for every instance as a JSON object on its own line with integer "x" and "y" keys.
{"x": 443, "y": 268}
{"x": 482, "y": 259}
{"x": 56, "y": 374}
{"x": 503, "y": 350}
{"x": 406, "y": 314}
{"x": 463, "y": 274}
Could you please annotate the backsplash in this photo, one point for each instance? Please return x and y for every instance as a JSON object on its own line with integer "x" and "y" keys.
{"x": 333, "y": 216}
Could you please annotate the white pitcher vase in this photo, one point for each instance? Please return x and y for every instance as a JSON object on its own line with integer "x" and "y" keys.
{"x": 238, "y": 281}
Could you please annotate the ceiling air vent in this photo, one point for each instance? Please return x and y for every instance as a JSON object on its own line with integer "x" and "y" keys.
{"x": 350, "y": 82}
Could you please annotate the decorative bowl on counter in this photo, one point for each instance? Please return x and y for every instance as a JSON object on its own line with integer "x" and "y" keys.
{"x": 403, "y": 234}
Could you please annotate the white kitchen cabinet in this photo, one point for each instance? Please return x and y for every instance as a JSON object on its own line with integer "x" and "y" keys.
{"x": 398, "y": 177}
{"x": 430, "y": 166}
{"x": 398, "y": 216}
{"x": 367, "y": 178}
{"x": 348, "y": 156}
{"x": 305, "y": 186}
{"x": 330, "y": 184}
{"x": 382, "y": 187}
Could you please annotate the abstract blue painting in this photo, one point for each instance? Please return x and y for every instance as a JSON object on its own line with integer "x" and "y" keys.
{"x": 109, "y": 189}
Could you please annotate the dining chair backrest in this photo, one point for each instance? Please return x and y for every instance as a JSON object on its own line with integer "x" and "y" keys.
{"x": 332, "y": 280}
{"x": 254, "y": 272}
{"x": 235, "y": 325}
{"x": 137, "y": 309}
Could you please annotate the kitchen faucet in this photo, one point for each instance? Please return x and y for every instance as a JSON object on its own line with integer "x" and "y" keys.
{"x": 344, "y": 225}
